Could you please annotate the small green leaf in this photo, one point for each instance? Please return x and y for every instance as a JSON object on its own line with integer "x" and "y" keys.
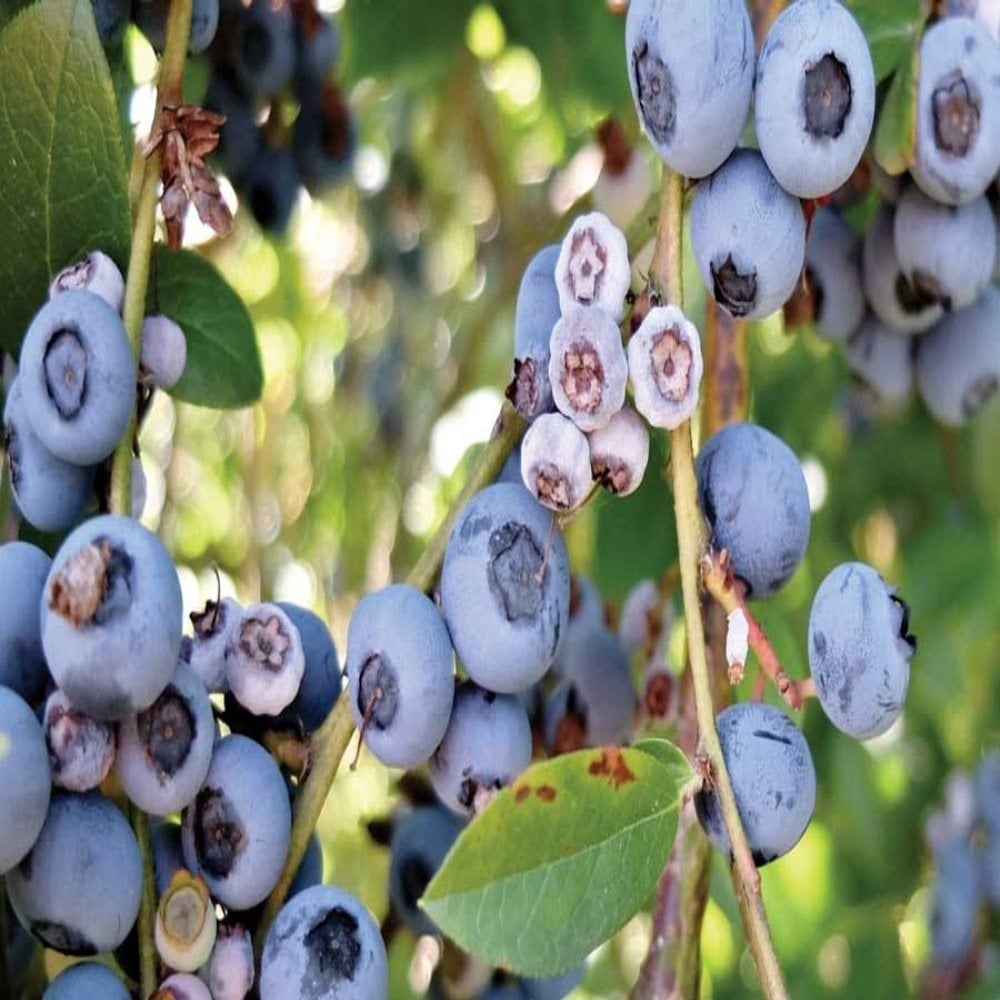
{"x": 223, "y": 367}
{"x": 561, "y": 859}
{"x": 63, "y": 189}
{"x": 896, "y": 132}
{"x": 891, "y": 27}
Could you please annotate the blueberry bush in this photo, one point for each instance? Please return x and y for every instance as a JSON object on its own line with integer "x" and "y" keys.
{"x": 474, "y": 477}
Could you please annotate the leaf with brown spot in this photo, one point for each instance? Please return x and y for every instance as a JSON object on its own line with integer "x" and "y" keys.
{"x": 537, "y": 881}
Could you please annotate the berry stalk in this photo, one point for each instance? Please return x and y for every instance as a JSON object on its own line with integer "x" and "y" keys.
{"x": 329, "y": 742}
{"x": 134, "y": 308}
{"x": 692, "y": 543}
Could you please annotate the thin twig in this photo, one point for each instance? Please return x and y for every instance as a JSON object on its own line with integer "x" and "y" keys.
{"x": 147, "y": 908}
{"x": 692, "y": 541}
{"x": 718, "y": 580}
{"x": 330, "y": 741}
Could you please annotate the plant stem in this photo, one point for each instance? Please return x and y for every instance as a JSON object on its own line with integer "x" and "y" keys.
{"x": 136, "y": 285}
{"x": 726, "y": 389}
{"x": 147, "y": 909}
{"x": 692, "y": 542}
{"x": 144, "y": 229}
{"x": 329, "y": 742}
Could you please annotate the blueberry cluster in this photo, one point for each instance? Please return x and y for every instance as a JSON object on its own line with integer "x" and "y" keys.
{"x": 910, "y": 301}
{"x": 93, "y": 644}
{"x": 964, "y": 841}
{"x": 75, "y": 391}
{"x": 271, "y": 63}
{"x": 571, "y": 369}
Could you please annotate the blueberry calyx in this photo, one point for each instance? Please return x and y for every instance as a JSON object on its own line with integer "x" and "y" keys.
{"x": 583, "y": 376}
{"x": 218, "y": 832}
{"x": 94, "y": 585}
{"x": 516, "y": 571}
{"x": 655, "y": 86}
{"x": 732, "y": 289}
{"x": 167, "y": 730}
{"x": 956, "y": 115}
{"x": 670, "y": 362}
{"x": 333, "y": 947}
{"x": 827, "y": 97}
{"x": 65, "y": 362}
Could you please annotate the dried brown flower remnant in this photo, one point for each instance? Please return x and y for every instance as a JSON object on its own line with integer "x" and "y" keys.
{"x": 185, "y": 135}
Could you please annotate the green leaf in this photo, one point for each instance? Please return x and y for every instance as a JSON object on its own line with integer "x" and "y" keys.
{"x": 64, "y": 189}
{"x": 891, "y": 27}
{"x": 561, "y": 859}
{"x": 223, "y": 367}
{"x": 896, "y": 132}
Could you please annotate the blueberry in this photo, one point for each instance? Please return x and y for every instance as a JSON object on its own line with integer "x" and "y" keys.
{"x": 50, "y": 494}
{"x": 773, "y": 780}
{"x": 230, "y": 969}
{"x": 553, "y": 987}
{"x": 324, "y": 944}
{"x": 986, "y": 12}
{"x": 151, "y": 18}
{"x": 511, "y": 471}
{"x": 691, "y": 66}
{"x": 900, "y": 304}
{"x": 78, "y": 889}
{"x": 317, "y": 46}
{"x": 586, "y": 606}
{"x": 955, "y": 901}
{"x": 271, "y": 187}
{"x": 164, "y": 350}
{"x": 420, "y": 841}
{"x": 958, "y": 362}
{"x": 97, "y": 273}
{"x": 555, "y": 462}
{"x": 833, "y": 275}
{"x": 399, "y": 670}
{"x": 264, "y": 46}
{"x": 205, "y": 651}
{"x": 587, "y": 367}
{"x": 814, "y": 97}
{"x": 324, "y": 139}
{"x": 883, "y": 361}
{"x": 987, "y": 793}
{"x": 81, "y": 749}
{"x": 310, "y": 870}
{"x": 24, "y": 776}
{"x": 948, "y": 252}
{"x": 236, "y": 832}
{"x": 753, "y": 494}
{"x": 86, "y": 981}
{"x": 77, "y": 376}
{"x": 111, "y": 617}
{"x": 535, "y": 316}
{"x": 264, "y": 660}
{"x": 239, "y": 138}
{"x": 168, "y": 854}
{"x": 958, "y": 103}
{"x": 486, "y": 745}
{"x": 639, "y": 622}
{"x": 505, "y": 588}
{"x": 321, "y": 680}
{"x": 593, "y": 268}
{"x": 23, "y": 569}
{"x": 619, "y": 453}
{"x": 595, "y": 704}
{"x": 665, "y": 366}
{"x": 860, "y": 649}
{"x": 186, "y": 923}
{"x": 165, "y": 750}
{"x": 748, "y": 236}
{"x": 182, "y": 986}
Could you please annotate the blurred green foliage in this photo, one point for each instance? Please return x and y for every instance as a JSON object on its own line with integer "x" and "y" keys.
{"x": 384, "y": 324}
